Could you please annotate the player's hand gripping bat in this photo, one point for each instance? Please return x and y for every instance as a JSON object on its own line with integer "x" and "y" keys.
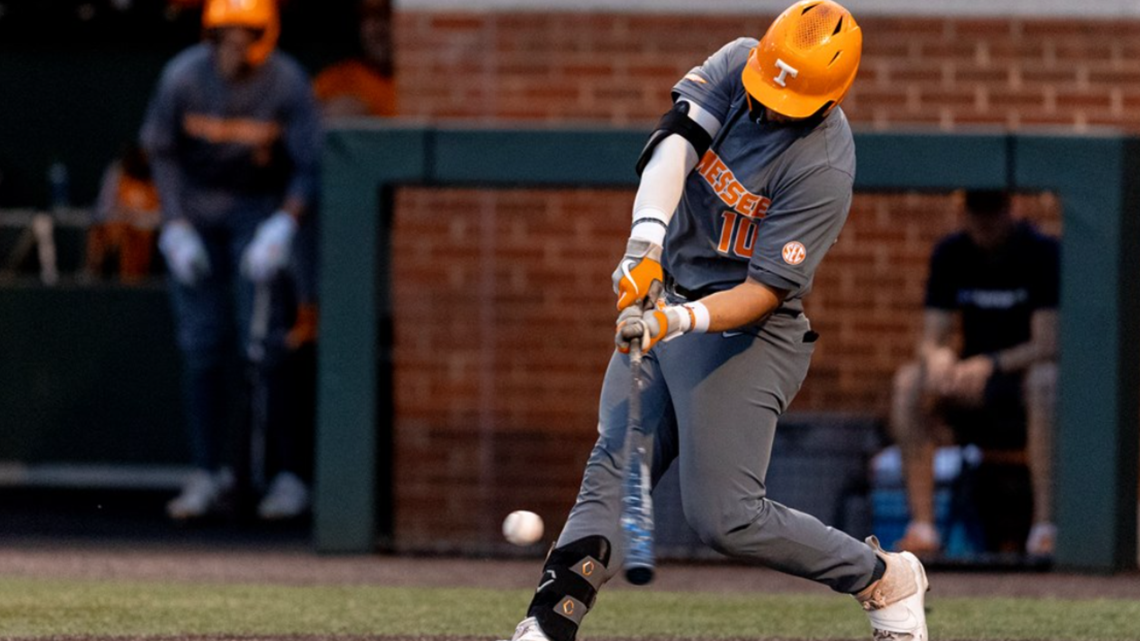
{"x": 636, "y": 503}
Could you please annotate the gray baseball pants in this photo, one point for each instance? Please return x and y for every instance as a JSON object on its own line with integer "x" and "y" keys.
{"x": 712, "y": 401}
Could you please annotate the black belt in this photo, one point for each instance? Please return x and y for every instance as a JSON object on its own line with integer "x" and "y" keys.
{"x": 697, "y": 294}
{"x": 691, "y": 294}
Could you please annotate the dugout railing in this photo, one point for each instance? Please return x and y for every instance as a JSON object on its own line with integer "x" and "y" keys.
{"x": 1096, "y": 178}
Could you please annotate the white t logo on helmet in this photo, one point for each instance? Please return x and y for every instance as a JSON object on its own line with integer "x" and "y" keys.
{"x": 785, "y": 71}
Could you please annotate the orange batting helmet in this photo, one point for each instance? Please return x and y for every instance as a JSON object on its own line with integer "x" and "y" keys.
{"x": 807, "y": 61}
{"x": 259, "y": 15}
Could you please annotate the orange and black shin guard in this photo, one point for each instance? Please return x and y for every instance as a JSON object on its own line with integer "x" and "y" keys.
{"x": 570, "y": 582}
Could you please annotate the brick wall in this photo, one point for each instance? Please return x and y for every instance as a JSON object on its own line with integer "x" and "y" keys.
{"x": 502, "y": 298}
{"x": 619, "y": 68}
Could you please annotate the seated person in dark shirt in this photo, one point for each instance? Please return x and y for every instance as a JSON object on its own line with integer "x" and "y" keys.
{"x": 1000, "y": 276}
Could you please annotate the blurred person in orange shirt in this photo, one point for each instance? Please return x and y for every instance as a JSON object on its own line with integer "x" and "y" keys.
{"x": 364, "y": 85}
{"x": 127, "y": 217}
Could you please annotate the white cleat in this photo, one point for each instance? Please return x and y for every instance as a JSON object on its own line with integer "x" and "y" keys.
{"x": 287, "y": 498}
{"x": 528, "y": 630}
{"x": 1042, "y": 539}
{"x": 896, "y": 603}
{"x": 200, "y": 494}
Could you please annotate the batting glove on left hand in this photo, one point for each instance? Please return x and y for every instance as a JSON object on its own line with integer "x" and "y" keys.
{"x": 186, "y": 255}
{"x": 268, "y": 252}
{"x": 636, "y": 272}
{"x": 652, "y": 326}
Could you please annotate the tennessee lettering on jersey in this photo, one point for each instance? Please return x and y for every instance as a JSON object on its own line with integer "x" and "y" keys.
{"x": 729, "y": 189}
{"x": 258, "y": 135}
{"x": 738, "y": 225}
{"x": 241, "y": 131}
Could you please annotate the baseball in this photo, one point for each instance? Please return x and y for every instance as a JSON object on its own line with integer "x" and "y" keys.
{"x": 522, "y": 527}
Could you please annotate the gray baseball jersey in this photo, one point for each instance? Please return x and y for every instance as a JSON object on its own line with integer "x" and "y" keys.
{"x": 767, "y": 200}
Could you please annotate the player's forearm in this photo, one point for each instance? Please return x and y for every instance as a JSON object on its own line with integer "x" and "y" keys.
{"x": 928, "y": 350}
{"x": 1041, "y": 347}
{"x": 301, "y": 190}
{"x": 1020, "y": 357}
{"x": 660, "y": 189}
{"x": 168, "y": 181}
{"x": 303, "y": 144}
{"x": 937, "y": 330}
{"x": 746, "y": 304}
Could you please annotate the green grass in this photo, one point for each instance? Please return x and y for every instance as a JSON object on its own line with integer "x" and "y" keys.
{"x": 39, "y": 607}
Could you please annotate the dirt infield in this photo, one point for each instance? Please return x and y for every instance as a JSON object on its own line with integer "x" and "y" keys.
{"x": 291, "y": 637}
{"x": 313, "y": 637}
{"x": 299, "y": 567}
{"x": 365, "y": 638}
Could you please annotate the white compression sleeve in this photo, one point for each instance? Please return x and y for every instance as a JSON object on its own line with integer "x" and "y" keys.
{"x": 663, "y": 180}
{"x": 660, "y": 190}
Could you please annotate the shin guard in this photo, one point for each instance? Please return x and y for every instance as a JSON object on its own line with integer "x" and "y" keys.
{"x": 570, "y": 582}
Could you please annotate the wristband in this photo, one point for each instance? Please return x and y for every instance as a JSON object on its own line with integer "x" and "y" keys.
{"x": 649, "y": 224}
{"x": 698, "y": 317}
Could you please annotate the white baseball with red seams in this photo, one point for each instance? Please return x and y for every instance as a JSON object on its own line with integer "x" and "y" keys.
{"x": 523, "y": 528}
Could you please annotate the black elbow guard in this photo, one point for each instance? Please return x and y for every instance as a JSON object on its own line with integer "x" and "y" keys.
{"x": 675, "y": 121}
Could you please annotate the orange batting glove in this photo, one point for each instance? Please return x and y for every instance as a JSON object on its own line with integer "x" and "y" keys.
{"x": 636, "y": 272}
{"x": 652, "y": 326}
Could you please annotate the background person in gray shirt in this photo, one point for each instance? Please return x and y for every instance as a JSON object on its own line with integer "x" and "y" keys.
{"x": 233, "y": 134}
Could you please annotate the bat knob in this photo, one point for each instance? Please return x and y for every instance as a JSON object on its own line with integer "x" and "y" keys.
{"x": 639, "y": 575}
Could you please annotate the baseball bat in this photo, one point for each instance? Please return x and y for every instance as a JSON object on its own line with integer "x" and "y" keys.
{"x": 258, "y": 393}
{"x": 637, "y": 504}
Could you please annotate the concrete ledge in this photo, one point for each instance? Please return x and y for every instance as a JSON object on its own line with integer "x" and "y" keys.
{"x": 80, "y": 476}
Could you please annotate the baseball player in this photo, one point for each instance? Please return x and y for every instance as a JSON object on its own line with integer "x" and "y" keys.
{"x": 745, "y": 184}
{"x": 233, "y": 135}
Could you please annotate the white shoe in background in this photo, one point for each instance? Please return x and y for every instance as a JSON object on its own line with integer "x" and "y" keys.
{"x": 288, "y": 497}
{"x": 200, "y": 494}
{"x": 1042, "y": 539}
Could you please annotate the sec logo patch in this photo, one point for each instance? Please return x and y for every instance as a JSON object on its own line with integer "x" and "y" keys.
{"x": 794, "y": 253}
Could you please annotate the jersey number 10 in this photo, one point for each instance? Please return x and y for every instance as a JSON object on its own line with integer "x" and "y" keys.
{"x": 737, "y": 234}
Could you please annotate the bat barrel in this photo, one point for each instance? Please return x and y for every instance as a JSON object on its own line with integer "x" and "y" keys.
{"x": 637, "y": 521}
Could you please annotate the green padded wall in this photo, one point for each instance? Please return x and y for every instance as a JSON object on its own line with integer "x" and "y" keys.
{"x": 89, "y": 374}
{"x": 1096, "y": 441}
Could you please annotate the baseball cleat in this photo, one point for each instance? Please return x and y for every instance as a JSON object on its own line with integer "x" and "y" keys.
{"x": 1042, "y": 539}
{"x": 200, "y": 494}
{"x": 895, "y": 604}
{"x": 528, "y": 630}
{"x": 288, "y": 498}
